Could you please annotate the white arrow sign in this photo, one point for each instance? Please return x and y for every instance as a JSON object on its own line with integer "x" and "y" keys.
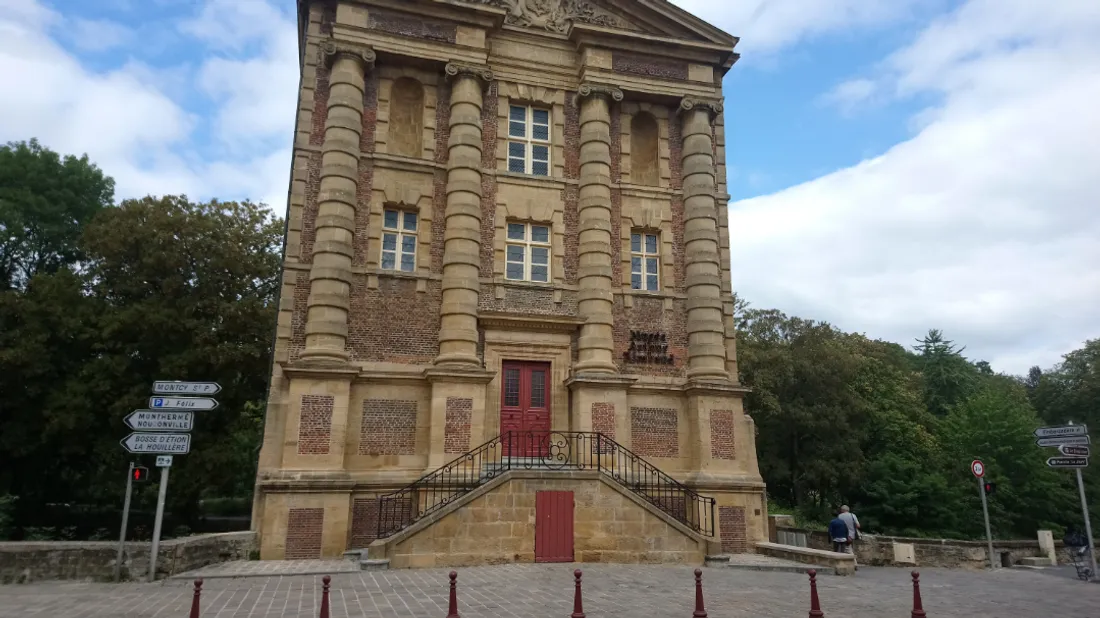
{"x": 157, "y": 420}
{"x": 1068, "y": 462}
{"x": 186, "y": 388}
{"x": 1068, "y": 440}
{"x": 167, "y": 443}
{"x": 183, "y": 403}
{"x": 1064, "y": 430}
{"x": 1074, "y": 451}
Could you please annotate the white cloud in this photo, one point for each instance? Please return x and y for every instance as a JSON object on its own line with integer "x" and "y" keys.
{"x": 95, "y": 35}
{"x": 984, "y": 224}
{"x": 851, "y": 94}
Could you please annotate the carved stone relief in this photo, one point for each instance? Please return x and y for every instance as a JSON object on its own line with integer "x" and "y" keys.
{"x": 556, "y": 15}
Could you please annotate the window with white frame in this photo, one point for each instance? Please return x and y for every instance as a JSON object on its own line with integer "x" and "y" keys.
{"x": 529, "y": 140}
{"x": 399, "y": 240}
{"x": 527, "y": 253}
{"x": 645, "y": 262}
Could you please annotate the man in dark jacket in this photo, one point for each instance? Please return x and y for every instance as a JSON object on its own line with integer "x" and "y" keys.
{"x": 838, "y": 532}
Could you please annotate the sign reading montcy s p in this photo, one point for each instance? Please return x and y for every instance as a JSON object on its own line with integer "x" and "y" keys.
{"x": 165, "y": 387}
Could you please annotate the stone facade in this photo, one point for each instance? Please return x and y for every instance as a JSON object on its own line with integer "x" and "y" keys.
{"x": 503, "y": 216}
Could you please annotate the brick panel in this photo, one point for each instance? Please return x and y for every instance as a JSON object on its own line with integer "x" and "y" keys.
{"x": 366, "y": 171}
{"x": 411, "y": 26}
{"x": 364, "y": 523}
{"x": 616, "y": 196}
{"x": 654, "y": 432}
{"x": 388, "y": 428}
{"x": 529, "y": 301}
{"x": 721, "y": 434}
{"x": 298, "y": 315}
{"x": 304, "y": 529}
{"x": 372, "y": 336}
{"x": 603, "y": 421}
{"x": 439, "y": 193}
{"x": 649, "y": 66}
{"x": 676, "y": 148}
{"x": 309, "y": 210}
{"x": 320, "y": 104}
{"x": 456, "y": 435}
{"x": 649, "y": 315}
{"x": 732, "y": 529}
{"x": 571, "y": 193}
{"x": 315, "y": 424}
{"x": 488, "y": 181}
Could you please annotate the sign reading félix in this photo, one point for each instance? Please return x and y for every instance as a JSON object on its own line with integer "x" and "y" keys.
{"x": 183, "y": 403}
{"x": 160, "y": 420}
{"x": 186, "y": 388}
{"x": 158, "y": 443}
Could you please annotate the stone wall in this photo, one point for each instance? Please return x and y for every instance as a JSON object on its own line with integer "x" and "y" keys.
{"x": 23, "y": 562}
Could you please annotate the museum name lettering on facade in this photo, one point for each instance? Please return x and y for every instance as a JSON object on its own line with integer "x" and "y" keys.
{"x": 651, "y": 348}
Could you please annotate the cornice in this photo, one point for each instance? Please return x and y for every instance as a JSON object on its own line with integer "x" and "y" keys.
{"x": 320, "y": 370}
{"x": 444, "y": 374}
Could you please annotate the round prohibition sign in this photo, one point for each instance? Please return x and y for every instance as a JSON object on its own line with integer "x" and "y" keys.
{"x": 978, "y": 468}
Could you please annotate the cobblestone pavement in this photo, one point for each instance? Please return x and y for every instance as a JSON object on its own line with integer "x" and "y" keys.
{"x": 545, "y": 591}
{"x": 272, "y": 568}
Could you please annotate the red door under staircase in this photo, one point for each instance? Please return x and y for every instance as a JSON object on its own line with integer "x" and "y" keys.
{"x": 554, "y": 526}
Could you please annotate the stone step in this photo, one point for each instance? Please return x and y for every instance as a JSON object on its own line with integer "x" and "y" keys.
{"x": 767, "y": 564}
{"x": 374, "y": 564}
{"x": 1035, "y": 561}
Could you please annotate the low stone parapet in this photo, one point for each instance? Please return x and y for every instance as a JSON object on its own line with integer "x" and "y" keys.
{"x": 22, "y": 562}
{"x": 840, "y": 564}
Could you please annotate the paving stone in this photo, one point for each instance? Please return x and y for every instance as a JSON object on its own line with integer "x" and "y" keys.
{"x": 271, "y": 568}
{"x": 545, "y": 591}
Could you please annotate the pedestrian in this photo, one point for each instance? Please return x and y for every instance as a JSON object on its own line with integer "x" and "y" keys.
{"x": 838, "y": 532}
{"x": 852, "y": 522}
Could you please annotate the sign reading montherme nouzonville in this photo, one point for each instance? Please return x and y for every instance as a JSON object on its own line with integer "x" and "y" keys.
{"x": 160, "y": 420}
{"x": 158, "y": 443}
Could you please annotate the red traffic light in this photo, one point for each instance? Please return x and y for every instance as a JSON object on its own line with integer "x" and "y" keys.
{"x": 990, "y": 487}
{"x": 140, "y": 474}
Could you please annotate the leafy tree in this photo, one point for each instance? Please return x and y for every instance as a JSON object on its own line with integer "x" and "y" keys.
{"x": 948, "y": 377}
{"x": 45, "y": 200}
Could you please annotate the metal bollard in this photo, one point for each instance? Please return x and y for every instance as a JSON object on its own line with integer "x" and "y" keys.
{"x": 918, "y": 610}
{"x": 699, "y": 612}
{"x": 452, "y": 609}
{"x": 324, "y": 596}
{"x": 578, "y": 607}
{"x": 195, "y": 599}
{"x": 815, "y": 605}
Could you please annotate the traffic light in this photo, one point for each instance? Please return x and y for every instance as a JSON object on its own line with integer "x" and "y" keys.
{"x": 140, "y": 474}
{"x": 990, "y": 487}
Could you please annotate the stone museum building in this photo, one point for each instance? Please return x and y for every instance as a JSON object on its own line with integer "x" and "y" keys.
{"x": 506, "y": 326}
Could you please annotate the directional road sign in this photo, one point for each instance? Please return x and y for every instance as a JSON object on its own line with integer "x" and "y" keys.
{"x": 183, "y": 403}
{"x": 164, "y": 461}
{"x": 1063, "y": 430}
{"x": 978, "y": 468}
{"x": 160, "y": 420}
{"x": 1068, "y": 462}
{"x": 152, "y": 443}
{"x": 1068, "y": 441}
{"x": 1074, "y": 451}
{"x": 186, "y": 388}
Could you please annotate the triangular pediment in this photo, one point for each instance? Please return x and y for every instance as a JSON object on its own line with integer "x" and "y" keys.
{"x": 651, "y": 17}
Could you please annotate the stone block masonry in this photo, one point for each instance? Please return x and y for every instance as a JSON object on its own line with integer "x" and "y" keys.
{"x": 303, "y": 535}
{"x": 388, "y": 428}
{"x": 721, "y": 435}
{"x": 654, "y": 432}
{"x": 315, "y": 425}
{"x": 457, "y": 434}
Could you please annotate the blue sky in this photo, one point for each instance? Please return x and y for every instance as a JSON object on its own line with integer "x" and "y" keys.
{"x": 896, "y": 165}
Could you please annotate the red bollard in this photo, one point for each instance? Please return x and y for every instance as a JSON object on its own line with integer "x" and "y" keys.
{"x": 452, "y": 609}
{"x": 195, "y": 599}
{"x": 578, "y": 608}
{"x": 815, "y": 605}
{"x": 324, "y": 595}
{"x": 918, "y": 610}
{"x": 699, "y": 611}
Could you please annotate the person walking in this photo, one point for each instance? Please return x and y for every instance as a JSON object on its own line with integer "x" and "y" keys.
{"x": 852, "y": 523}
{"x": 838, "y": 532}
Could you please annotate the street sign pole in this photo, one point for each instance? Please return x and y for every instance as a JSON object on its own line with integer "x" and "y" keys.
{"x": 988, "y": 533}
{"x": 157, "y": 524}
{"x": 125, "y": 520}
{"x": 1088, "y": 524}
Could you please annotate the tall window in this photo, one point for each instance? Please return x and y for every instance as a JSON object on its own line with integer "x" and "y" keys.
{"x": 529, "y": 140}
{"x": 399, "y": 240}
{"x": 528, "y": 253}
{"x": 644, "y": 156}
{"x": 644, "y": 262}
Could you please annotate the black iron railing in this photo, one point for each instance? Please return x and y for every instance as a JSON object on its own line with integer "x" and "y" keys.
{"x": 552, "y": 450}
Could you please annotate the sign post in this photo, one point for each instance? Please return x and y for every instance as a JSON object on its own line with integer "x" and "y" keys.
{"x": 163, "y": 491}
{"x": 125, "y": 520}
{"x": 978, "y": 468}
{"x": 1073, "y": 443}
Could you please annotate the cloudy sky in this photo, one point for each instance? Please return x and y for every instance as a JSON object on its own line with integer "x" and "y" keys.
{"x": 897, "y": 165}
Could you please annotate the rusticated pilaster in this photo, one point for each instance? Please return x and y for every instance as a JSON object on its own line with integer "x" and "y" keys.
{"x": 330, "y": 275}
{"x": 462, "y": 235}
{"x": 596, "y": 344}
{"x": 703, "y": 273}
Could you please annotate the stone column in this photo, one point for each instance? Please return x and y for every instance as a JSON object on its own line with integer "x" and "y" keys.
{"x": 597, "y": 231}
{"x": 330, "y": 276}
{"x": 706, "y": 335}
{"x": 462, "y": 236}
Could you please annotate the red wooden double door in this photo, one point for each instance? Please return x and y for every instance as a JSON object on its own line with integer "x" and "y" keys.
{"x": 525, "y": 409}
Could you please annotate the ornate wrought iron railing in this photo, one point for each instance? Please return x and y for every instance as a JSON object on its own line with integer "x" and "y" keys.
{"x": 553, "y": 450}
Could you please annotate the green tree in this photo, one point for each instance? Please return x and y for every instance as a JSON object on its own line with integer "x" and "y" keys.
{"x": 45, "y": 201}
{"x": 948, "y": 377}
